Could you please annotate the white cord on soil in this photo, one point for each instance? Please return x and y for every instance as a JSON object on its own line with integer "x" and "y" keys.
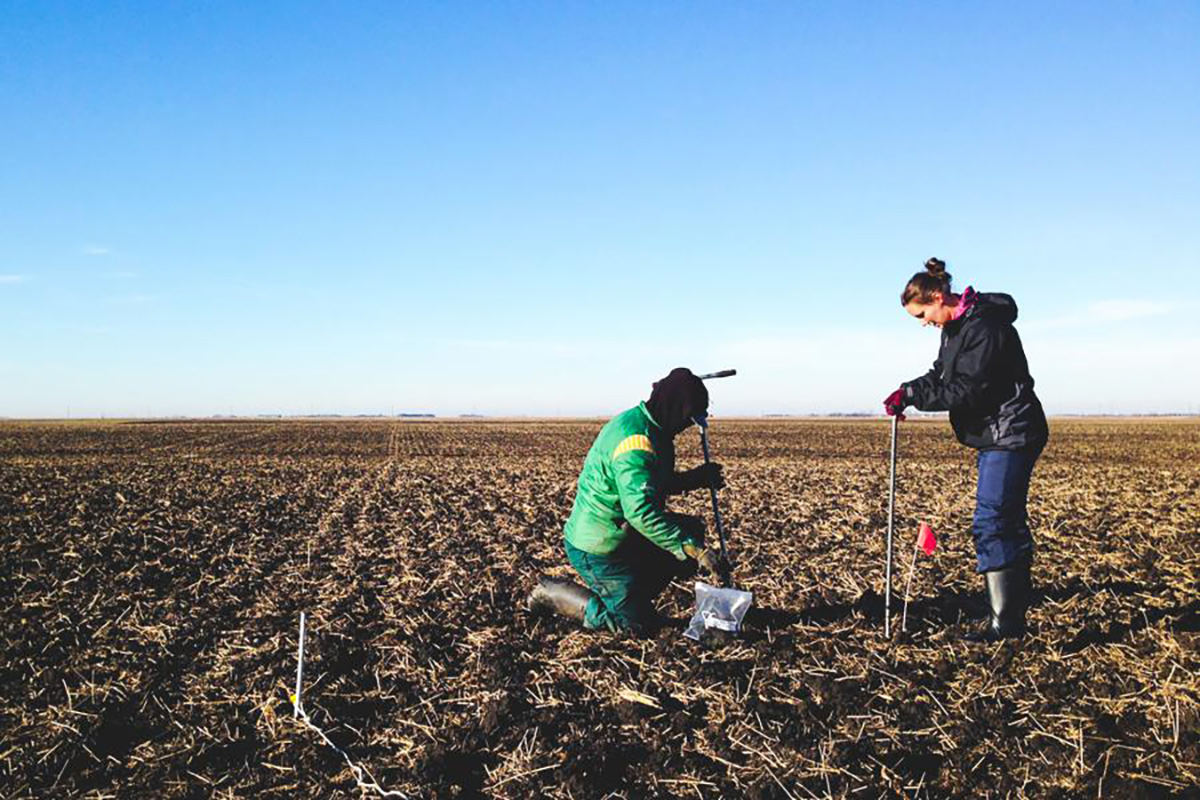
{"x": 363, "y": 778}
{"x": 366, "y": 782}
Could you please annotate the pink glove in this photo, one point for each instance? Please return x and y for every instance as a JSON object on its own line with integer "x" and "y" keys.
{"x": 894, "y": 404}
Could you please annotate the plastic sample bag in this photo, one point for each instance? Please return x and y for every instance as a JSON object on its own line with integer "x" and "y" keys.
{"x": 718, "y": 609}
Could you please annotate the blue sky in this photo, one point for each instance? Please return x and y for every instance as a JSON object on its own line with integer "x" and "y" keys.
{"x": 528, "y": 208}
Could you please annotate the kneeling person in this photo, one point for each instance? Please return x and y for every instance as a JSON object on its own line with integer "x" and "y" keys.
{"x": 619, "y": 537}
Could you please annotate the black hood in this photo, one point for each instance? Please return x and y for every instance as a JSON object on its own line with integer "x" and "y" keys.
{"x": 677, "y": 398}
{"x": 996, "y": 305}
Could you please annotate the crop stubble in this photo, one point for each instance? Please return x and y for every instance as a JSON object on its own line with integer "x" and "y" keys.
{"x": 153, "y": 575}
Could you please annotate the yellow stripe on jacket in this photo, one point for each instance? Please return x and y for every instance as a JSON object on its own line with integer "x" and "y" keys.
{"x": 639, "y": 441}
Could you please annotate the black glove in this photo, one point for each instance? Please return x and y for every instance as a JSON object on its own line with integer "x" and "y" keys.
{"x": 702, "y": 477}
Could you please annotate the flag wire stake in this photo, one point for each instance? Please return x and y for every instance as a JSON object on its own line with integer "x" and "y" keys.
{"x": 912, "y": 567}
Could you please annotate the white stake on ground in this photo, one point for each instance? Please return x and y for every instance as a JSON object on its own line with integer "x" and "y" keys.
{"x": 366, "y": 782}
{"x": 297, "y": 708}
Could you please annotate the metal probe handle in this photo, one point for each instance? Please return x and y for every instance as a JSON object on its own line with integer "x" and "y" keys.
{"x": 887, "y": 597}
{"x": 724, "y": 373}
{"x": 712, "y": 491}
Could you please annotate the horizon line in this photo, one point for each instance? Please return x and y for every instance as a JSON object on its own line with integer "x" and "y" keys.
{"x": 422, "y": 416}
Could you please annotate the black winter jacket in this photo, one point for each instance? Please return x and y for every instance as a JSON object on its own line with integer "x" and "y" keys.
{"x": 981, "y": 377}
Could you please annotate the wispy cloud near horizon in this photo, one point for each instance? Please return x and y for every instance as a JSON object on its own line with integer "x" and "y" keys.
{"x": 13, "y": 278}
{"x": 564, "y": 348}
{"x": 132, "y": 299}
{"x": 1104, "y": 312}
{"x": 96, "y": 250}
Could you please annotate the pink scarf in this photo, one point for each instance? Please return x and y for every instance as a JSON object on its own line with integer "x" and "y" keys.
{"x": 964, "y": 303}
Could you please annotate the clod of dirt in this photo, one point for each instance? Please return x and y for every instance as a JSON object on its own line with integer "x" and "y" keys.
{"x": 716, "y": 638}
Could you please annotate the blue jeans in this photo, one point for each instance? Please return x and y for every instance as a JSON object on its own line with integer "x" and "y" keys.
{"x": 1001, "y": 527}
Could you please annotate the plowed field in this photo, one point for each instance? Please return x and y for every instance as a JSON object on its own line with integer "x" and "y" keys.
{"x": 152, "y": 576}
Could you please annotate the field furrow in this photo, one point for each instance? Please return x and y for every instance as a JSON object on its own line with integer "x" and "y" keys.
{"x": 152, "y": 577}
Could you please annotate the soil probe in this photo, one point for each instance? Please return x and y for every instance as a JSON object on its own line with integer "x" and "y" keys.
{"x": 723, "y": 608}
{"x": 887, "y": 593}
{"x": 702, "y": 424}
{"x": 726, "y": 581}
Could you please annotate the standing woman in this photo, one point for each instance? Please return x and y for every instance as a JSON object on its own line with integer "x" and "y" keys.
{"x": 981, "y": 377}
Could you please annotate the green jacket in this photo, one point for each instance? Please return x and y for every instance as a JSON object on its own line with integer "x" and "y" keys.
{"x": 624, "y": 479}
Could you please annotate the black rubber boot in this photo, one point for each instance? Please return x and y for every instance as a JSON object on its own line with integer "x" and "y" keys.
{"x": 559, "y": 597}
{"x": 1008, "y": 592}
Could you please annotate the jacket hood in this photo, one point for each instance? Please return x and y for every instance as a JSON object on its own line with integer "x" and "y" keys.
{"x": 996, "y": 305}
{"x": 677, "y": 398}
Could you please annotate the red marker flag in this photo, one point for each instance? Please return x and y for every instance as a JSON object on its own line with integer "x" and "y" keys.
{"x": 926, "y": 539}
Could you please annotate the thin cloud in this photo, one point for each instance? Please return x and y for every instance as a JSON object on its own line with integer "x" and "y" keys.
{"x": 96, "y": 250}
{"x": 817, "y": 348}
{"x": 567, "y": 349}
{"x": 12, "y": 278}
{"x": 1092, "y": 373}
{"x": 124, "y": 274}
{"x": 1103, "y": 312}
{"x": 1121, "y": 310}
{"x": 484, "y": 344}
{"x": 821, "y": 370}
{"x": 509, "y": 346}
{"x": 133, "y": 299}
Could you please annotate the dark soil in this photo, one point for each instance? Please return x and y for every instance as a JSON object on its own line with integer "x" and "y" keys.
{"x": 152, "y": 578}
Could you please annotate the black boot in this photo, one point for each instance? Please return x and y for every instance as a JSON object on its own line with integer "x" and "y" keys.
{"x": 559, "y": 597}
{"x": 1008, "y": 592}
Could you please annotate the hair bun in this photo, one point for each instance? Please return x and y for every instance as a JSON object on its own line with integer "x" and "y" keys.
{"x": 924, "y": 285}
